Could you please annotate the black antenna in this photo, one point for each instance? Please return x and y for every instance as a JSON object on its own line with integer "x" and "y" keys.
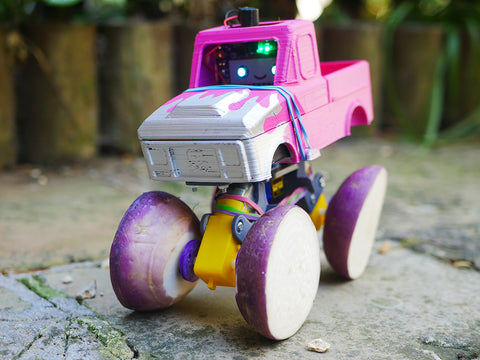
{"x": 248, "y": 16}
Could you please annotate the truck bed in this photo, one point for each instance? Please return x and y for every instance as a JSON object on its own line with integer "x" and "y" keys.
{"x": 345, "y": 77}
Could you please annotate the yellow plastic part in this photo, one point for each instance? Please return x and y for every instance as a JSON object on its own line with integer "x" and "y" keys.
{"x": 215, "y": 263}
{"x": 318, "y": 213}
{"x": 278, "y": 188}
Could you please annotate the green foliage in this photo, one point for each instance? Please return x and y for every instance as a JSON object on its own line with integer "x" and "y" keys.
{"x": 450, "y": 82}
{"x": 14, "y": 11}
{"x": 61, "y": 2}
{"x": 24, "y": 11}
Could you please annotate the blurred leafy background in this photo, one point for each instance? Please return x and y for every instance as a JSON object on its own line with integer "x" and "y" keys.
{"x": 426, "y": 93}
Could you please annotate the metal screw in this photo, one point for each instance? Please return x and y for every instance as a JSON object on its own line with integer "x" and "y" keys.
{"x": 239, "y": 226}
{"x": 321, "y": 181}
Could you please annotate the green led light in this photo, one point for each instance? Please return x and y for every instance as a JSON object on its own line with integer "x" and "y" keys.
{"x": 265, "y": 47}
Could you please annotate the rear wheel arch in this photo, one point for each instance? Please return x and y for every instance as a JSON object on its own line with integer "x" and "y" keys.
{"x": 356, "y": 115}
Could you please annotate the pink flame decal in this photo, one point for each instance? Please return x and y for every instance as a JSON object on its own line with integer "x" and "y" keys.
{"x": 263, "y": 98}
{"x": 273, "y": 121}
{"x": 176, "y": 100}
{"x": 218, "y": 92}
{"x": 185, "y": 95}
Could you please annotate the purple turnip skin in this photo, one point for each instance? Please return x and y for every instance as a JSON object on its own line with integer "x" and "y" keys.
{"x": 252, "y": 265}
{"x": 146, "y": 249}
{"x": 342, "y": 218}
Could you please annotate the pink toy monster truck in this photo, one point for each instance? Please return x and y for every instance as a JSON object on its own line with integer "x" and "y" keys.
{"x": 259, "y": 106}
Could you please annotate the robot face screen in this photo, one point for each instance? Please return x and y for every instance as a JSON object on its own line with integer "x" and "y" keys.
{"x": 248, "y": 63}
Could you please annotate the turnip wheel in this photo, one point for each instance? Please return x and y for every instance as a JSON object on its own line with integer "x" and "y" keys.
{"x": 144, "y": 257}
{"x": 278, "y": 271}
{"x": 352, "y": 219}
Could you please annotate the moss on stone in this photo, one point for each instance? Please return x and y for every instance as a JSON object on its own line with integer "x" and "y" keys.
{"x": 38, "y": 285}
{"x": 114, "y": 340}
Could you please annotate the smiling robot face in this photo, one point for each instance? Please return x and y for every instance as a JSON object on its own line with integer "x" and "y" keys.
{"x": 248, "y": 63}
{"x": 252, "y": 71}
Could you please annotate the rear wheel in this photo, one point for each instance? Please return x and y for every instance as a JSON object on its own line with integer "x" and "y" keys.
{"x": 352, "y": 219}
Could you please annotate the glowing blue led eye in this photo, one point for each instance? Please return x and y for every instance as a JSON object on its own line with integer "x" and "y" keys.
{"x": 274, "y": 69}
{"x": 242, "y": 72}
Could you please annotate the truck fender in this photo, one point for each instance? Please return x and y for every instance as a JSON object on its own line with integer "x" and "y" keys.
{"x": 279, "y": 154}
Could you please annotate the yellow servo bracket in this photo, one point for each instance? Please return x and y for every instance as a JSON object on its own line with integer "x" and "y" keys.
{"x": 215, "y": 263}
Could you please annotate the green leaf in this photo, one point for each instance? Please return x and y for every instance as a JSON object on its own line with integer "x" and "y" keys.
{"x": 397, "y": 17}
{"x": 452, "y": 53}
{"x": 61, "y": 2}
{"x": 468, "y": 127}
{"x": 114, "y": 2}
{"x": 436, "y": 103}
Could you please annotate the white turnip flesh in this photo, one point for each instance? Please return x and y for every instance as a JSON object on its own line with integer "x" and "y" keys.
{"x": 278, "y": 271}
{"x": 352, "y": 220}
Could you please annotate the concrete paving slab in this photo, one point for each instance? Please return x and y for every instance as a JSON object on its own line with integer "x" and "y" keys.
{"x": 406, "y": 306}
{"x": 70, "y": 214}
{"x": 23, "y": 315}
{"x": 18, "y": 303}
{"x": 45, "y": 225}
{"x": 419, "y": 300}
{"x": 34, "y": 327}
{"x": 56, "y": 216}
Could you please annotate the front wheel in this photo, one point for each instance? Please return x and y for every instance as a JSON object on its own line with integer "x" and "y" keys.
{"x": 278, "y": 271}
{"x": 145, "y": 253}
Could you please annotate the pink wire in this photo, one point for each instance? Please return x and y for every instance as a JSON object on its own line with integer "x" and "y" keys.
{"x": 246, "y": 200}
{"x": 225, "y": 22}
{"x": 296, "y": 192}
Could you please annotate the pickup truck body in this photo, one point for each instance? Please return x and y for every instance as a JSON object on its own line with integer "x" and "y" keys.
{"x": 221, "y": 134}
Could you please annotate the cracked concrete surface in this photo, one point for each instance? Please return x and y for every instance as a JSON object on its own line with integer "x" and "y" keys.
{"x": 56, "y": 328}
{"x": 406, "y": 306}
{"x": 417, "y": 300}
